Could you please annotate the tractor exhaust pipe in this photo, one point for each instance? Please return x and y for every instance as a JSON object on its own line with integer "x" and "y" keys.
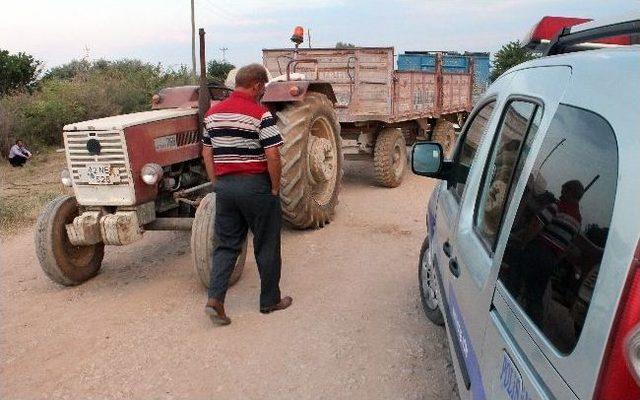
{"x": 204, "y": 98}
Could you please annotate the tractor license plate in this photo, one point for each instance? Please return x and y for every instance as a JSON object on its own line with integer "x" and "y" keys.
{"x": 101, "y": 174}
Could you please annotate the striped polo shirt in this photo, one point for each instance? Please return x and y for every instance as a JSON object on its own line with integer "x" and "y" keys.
{"x": 238, "y": 130}
{"x": 561, "y": 224}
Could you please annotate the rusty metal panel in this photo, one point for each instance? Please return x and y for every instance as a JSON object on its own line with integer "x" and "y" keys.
{"x": 414, "y": 95}
{"x": 362, "y": 78}
{"x": 456, "y": 93}
{"x": 368, "y": 89}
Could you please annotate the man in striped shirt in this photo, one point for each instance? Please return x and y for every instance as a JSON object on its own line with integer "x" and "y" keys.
{"x": 241, "y": 154}
{"x": 553, "y": 230}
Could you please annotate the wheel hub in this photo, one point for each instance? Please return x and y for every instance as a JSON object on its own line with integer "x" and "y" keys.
{"x": 398, "y": 162}
{"x": 321, "y": 161}
{"x": 429, "y": 281}
{"x": 396, "y": 155}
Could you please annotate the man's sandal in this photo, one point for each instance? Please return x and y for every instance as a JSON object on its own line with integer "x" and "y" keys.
{"x": 216, "y": 318}
{"x": 284, "y": 303}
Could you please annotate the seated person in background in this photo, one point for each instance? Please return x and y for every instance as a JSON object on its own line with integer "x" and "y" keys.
{"x": 18, "y": 154}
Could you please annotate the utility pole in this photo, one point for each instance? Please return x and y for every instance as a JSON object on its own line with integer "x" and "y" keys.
{"x": 224, "y": 54}
{"x": 193, "y": 43}
{"x": 309, "y": 37}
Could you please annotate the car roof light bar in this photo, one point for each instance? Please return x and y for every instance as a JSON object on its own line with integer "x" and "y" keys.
{"x": 584, "y": 39}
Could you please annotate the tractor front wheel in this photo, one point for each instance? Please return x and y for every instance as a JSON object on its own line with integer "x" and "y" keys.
{"x": 203, "y": 242}
{"x": 61, "y": 261}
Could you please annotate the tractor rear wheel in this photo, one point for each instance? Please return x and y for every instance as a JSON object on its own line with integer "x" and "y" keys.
{"x": 445, "y": 134}
{"x": 203, "y": 242}
{"x": 61, "y": 261}
{"x": 311, "y": 161}
{"x": 390, "y": 157}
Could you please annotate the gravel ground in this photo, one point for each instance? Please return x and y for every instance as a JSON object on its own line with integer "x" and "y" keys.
{"x": 138, "y": 331}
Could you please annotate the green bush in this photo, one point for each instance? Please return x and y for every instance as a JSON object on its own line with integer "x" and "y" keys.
{"x": 509, "y": 55}
{"x": 79, "y": 91}
{"x": 218, "y": 70}
{"x": 18, "y": 72}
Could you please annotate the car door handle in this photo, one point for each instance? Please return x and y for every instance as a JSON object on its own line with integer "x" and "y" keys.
{"x": 446, "y": 248}
{"x": 454, "y": 267}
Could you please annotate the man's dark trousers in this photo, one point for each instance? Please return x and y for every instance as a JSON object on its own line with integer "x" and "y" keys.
{"x": 17, "y": 161}
{"x": 245, "y": 202}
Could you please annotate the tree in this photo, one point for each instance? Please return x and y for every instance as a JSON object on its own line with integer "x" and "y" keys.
{"x": 218, "y": 70}
{"x": 124, "y": 67}
{"x": 344, "y": 45}
{"x": 68, "y": 71}
{"x": 510, "y": 55}
{"x": 18, "y": 72}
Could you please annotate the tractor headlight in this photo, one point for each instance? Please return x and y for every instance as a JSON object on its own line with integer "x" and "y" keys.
{"x": 151, "y": 173}
{"x": 65, "y": 177}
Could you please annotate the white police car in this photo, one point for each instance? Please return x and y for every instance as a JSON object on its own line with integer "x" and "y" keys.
{"x": 532, "y": 259}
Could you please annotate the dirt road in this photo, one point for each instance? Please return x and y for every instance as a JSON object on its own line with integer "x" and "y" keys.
{"x": 138, "y": 330}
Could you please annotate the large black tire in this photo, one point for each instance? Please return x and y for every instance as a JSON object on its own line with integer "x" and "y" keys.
{"x": 445, "y": 134}
{"x": 311, "y": 161}
{"x": 61, "y": 261}
{"x": 429, "y": 290}
{"x": 203, "y": 242}
{"x": 390, "y": 157}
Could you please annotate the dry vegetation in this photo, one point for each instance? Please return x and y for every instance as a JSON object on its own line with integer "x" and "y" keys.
{"x": 24, "y": 191}
{"x": 79, "y": 91}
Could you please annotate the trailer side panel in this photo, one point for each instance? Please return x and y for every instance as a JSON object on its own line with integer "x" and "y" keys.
{"x": 368, "y": 89}
{"x": 415, "y": 95}
{"x": 456, "y": 93}
{"x": 361, "y": 77}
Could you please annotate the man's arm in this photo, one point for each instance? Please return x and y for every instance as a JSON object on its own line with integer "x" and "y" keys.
{"x": 274, "y": 165}
{"x": 207, "y": 159}
{"x": 207, "y": 156}
{"x": 271, "y": 141}
{"x": 14, "y": 151}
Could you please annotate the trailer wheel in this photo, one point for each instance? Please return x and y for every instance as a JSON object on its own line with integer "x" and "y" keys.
{"x": 445, "y": 134}
{"x": 311, "y": 161}
{"x": 203, "y": 242}
{"x": 61, "y": 261}
{"x": 390, "y": 157}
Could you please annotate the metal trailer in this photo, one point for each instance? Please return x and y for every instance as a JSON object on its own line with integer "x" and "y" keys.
{"x": 453, "y": 62}
{"x": 381, "y": 110}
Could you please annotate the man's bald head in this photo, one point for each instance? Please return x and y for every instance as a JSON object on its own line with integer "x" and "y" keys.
{"x": 251, "y": 74}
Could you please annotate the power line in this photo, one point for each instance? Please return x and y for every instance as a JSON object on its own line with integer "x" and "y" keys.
{"x": 224, "y": 53}
{"x": 216, "y": 11}
{"x": 224, "y": 10}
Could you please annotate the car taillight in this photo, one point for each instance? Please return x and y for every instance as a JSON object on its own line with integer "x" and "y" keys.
{"x": 633, "y": 353}
{"x": 616, "y": 379}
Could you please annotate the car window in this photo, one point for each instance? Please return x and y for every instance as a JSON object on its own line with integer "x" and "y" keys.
{"x": 519, "y": 121}
{"x": 555, "y": 245}
{"x": 471, "y": 141}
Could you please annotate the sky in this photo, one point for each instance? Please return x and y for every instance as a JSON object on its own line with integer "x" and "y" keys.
{"x": 159, "y": 31}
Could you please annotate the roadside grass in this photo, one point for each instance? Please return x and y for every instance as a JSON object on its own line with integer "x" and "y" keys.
{"x": 24, "y": 191}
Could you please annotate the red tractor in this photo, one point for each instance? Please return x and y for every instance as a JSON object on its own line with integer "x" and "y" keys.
{"x": 138, "y": 172}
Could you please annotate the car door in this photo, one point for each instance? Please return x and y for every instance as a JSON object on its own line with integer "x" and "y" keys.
{"x": 444, "y": 223}
{"x": 545, "y": 338}
{"x": 470, "y": 251}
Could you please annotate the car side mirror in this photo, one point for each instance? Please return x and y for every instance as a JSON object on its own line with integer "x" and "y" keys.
{"x": 427, "y": 159}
